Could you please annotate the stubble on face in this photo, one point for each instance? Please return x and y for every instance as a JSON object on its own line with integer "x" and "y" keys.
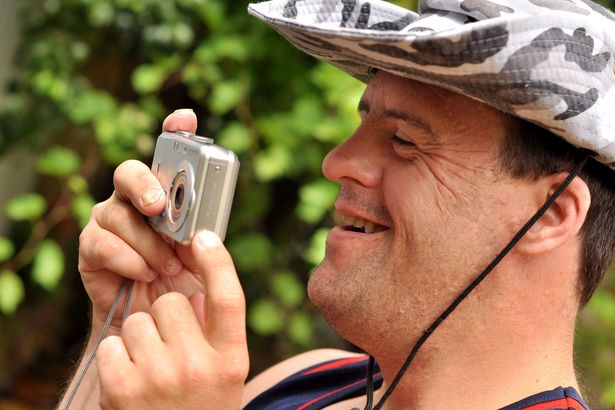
{"x": 337, "y": 291}
{"x": 387, "y": 293}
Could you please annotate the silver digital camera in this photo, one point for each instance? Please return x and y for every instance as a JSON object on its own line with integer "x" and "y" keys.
{"x": 199, "y": 180}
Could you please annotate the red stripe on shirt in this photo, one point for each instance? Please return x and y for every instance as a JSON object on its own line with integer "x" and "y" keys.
{"x": 317, "y": 399}
{"x": 567, "y": 403}
{"x": 336, "y": 364}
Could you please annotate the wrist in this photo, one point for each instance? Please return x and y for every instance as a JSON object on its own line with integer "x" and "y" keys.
{"x": 98, "y": 324}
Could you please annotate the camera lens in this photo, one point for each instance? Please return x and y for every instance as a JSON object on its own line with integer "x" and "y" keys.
{"x": 179, "y": 197}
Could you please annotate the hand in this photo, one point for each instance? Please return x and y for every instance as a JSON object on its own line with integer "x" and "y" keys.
{"x": 186, "y": 354}
{"x": 118, "y": 243}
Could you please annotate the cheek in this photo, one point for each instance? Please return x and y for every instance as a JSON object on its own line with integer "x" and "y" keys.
{"x": 436, "y": 214}
{"x": 417, "y": 199}
{"x": 443, "y": 189}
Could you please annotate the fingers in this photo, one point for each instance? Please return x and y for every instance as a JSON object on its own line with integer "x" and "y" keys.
{"x": 176, "y": 321}
{"x": 180, "y": 120}
{"x": 224, "y": 300}
{"x": 126, "y": 223}
{"x": 113, "y": 360}
{"x": 141, "y": 338}
{"x": 136, "y": 184}
{"x": 102, "y": 250}
{"x": 141, "y": 370}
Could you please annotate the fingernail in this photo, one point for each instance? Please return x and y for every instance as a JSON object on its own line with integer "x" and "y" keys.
{"x": 184, "y": 111}
{"x": 151, "y": 196}
{"x": 207, "y": 239}
{"x": 172, "y": 265}
{"x": 151, "y": 276}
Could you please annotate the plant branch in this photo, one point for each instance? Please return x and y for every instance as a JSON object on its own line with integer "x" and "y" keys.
{"x": 58, "y": 214}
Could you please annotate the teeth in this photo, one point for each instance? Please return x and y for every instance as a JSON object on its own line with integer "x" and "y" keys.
{"x": 338, "y": 218}
{"x": 348, "y": 220}
{"x": 368, "y": 227}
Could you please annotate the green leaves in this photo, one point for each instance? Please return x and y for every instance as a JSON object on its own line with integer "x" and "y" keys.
{"x": 316, "y": 251}
{"x": 270, "y": 316}
{"x": 215, "y": 71}
{"x": 594, "y": 341}
{"x": 264, "y": 317}
{"x": 273, "y": 163}
{"x": 45, "y": 82}
{"x": 315, "y": 199}
{"x": 230, "y": 46}
{"x": 26, "y": 207}
{"x": 251, "y": 251}
{"x": 86, "y": 105}
{"x": 48, "y": 265}
{"x": 11, "y": 291}
{"x": 225, "y": 95}
{"x": 7, "y": 249}
{"x": 81, "y": 207}
{"x": 288, "y": 290}
{"x": 602, "y": 305}
{"x": 121, "y": 132}
{"x": 101, "y": 14}
{"x": 236, "y": 137}
{"x": 301, "y": 329}
{"x": 608, "y": 395}
{"x": 59, "y": 162}
{"x": 77, "y": 184}
{"x": 148, "y": 78}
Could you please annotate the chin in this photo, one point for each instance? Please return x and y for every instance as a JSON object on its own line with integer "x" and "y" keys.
{"x": 334, "y": 296}
{"x": 317, "y": 287}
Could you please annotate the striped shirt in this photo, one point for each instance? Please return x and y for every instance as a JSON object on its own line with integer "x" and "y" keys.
{"x": 327, "y": 383}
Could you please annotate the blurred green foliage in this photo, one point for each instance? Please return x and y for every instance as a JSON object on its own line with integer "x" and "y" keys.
{"x": 94, "y": 79}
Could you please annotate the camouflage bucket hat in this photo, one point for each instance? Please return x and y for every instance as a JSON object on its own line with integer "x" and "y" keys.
{"x": 546, "y": 61}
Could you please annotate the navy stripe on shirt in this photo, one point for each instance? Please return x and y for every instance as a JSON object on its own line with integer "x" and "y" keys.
{"x": 318, "y": 386}
{"x": 334, "y": 381}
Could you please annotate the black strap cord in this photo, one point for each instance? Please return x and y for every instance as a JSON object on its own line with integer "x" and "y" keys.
{"x": 464, "y": 294}
{"x": 370, "y": 382}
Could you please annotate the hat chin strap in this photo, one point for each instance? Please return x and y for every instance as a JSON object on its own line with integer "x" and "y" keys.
{"x": 539, "y": 213}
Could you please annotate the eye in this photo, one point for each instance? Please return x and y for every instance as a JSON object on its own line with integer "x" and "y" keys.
{"x": 402, "y": 141}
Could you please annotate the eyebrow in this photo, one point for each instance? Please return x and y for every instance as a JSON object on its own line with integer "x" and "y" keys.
{"x": 411, "y": 119}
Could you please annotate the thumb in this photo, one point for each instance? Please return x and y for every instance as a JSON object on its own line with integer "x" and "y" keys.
{"x": 197, "y": 255}
{"x": 224, "y": 299}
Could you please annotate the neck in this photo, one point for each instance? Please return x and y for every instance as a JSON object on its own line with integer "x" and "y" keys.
{"x": 472, "y": 361}
{"x": 484, "y": 382}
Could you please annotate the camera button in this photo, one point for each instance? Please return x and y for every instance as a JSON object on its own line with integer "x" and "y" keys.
{"x": 204, "y": 140}
{"x": 185, "y": 134}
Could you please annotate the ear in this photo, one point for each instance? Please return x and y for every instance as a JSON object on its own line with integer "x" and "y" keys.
{"x": 563, "y": 220}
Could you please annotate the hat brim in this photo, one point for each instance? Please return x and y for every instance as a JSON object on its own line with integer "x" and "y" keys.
{"x": 553, "y": 69}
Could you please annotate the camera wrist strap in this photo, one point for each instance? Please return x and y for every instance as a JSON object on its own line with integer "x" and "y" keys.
{"x": 126, "y": 287}
{"x": 446, "y": 313}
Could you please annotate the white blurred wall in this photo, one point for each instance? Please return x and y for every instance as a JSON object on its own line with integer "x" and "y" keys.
{"x": 17, "y": 168}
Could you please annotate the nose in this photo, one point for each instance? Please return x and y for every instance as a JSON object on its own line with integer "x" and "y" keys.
{"x": 356, "y": 159}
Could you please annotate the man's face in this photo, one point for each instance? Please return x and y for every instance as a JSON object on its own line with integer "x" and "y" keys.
{"x": 424, "y": 210}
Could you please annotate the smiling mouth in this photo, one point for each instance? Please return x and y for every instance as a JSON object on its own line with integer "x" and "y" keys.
{"x": 359, "y": 225}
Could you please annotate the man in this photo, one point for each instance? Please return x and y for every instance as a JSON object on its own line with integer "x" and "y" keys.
{"x": 433, "y": 186}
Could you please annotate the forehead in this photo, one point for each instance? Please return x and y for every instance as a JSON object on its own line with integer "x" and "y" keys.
{"x": 447, "y": 113}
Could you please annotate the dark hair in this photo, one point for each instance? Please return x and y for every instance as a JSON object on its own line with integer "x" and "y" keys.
{"x": 530, "y": 151}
